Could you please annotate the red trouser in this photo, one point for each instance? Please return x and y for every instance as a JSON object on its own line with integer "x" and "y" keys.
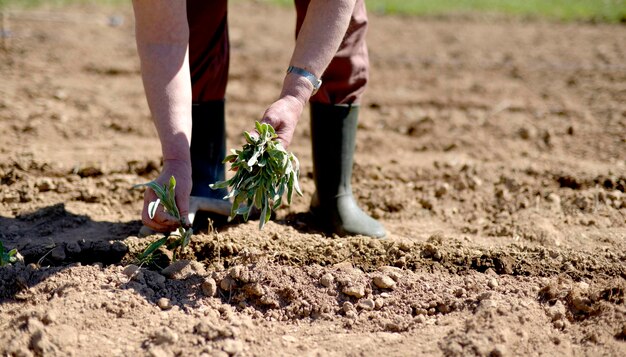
{"x": 343, "y": 81}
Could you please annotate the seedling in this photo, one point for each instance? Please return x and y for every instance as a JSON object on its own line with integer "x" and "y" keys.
{"x": 7, "y": 257}
{"x": 166, "y": 197}
{"x": 264, "y": 172}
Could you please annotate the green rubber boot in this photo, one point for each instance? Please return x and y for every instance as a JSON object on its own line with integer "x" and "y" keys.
{"x": 333, "y": 134}
{"x": 208, "y": 149}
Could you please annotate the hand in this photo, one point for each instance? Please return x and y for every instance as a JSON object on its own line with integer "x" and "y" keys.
{"x": 283, "y": 115}
{"x": 162, "y": 221}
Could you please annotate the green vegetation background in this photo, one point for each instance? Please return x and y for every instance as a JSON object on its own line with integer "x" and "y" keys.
{"x": 566, "y": 10}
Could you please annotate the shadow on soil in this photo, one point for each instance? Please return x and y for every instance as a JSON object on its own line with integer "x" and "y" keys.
{"x": 52, "y": 235}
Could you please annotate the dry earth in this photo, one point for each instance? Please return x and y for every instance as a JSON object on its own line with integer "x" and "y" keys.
{"x": 494, "y": 151}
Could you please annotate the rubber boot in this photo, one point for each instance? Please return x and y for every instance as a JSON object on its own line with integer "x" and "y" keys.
{"x": 208, "y": 149}
{"x": 333, "y": 133}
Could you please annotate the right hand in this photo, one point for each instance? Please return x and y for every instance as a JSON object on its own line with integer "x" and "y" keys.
{"x": 162, "y": 221}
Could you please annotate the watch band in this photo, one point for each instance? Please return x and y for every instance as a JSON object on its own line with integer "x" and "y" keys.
{"x": 316, "y": 82}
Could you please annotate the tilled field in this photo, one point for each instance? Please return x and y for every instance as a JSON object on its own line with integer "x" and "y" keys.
{"x": 493, "y": 150}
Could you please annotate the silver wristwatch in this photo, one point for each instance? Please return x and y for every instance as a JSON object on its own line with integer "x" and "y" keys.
{"x": 316, "y": 82}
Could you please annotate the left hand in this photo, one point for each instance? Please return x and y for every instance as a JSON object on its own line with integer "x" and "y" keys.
{"x": 283, "y": 115}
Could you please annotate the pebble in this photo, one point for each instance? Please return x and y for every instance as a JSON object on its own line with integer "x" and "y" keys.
{"x": 347, "y": 307}
{"x": 358, "y": 291}
{"x": 50, "y": 317}
{"x": 327, "y": 280}
{"x": 209, "y": 287}
{"x": 164, "y": 303}
{"x": 379, "y": 303}
{"x": 130, "y": 270}
{"x": 165, "y": 336}
{"x": 232, "y": 347}
{"x": 493, "y": 283}
{"x": 227, "y": 284}
{"x": 183, "y": 269}
{"x": 557, "y": 311}
{"x": 393, "y": 272}
{"x": 384, "y": 282}
{"x": 367, "y": 304}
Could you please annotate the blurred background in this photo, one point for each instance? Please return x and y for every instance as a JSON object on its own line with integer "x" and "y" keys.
{"x": 587, "y": 10}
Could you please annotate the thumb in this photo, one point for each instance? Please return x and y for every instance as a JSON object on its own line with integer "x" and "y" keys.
{"x": 183, "y": 208}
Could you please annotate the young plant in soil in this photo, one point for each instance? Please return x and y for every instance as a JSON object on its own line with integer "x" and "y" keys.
{"x": 181, "y": 237}
{"x": 264, "y": 172}
{"x": 7, "y": 257}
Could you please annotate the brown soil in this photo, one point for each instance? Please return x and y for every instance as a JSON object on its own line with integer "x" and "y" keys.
{"x": 493, "y": 152}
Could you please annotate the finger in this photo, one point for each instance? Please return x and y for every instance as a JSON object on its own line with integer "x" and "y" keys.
{"x": 161, "y": 222}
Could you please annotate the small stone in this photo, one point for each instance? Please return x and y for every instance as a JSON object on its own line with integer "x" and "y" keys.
{"x": 130, "y": 270}
{"x": 50, "y": 317}
{"x": 490, "y": 272}
{"x": 384, "y": 282}
{"x": 358, "y": 291}
{"x": 347, "y": 307}
{"x": 73, "y": 247}
{"x": 183, "y": 269}
{"x": 379, "y": 303}
{"x": 488, "y": 304}
{"x": 227, "y": 284}
{"x": 165, "y": 336}
{"x": 164, "y": 303}
{"x": 367, "y": 304}
{"x": 460, "y": 292}
{"x": 557, "y": 311}
{"x": 420, "y": 319}
{"x": 393, "y": 272}
{"x": 45, "y": 185}
{"x": 58, "y": 253}
{"x": 209, "y": 287}
{"x": 254, "y": 289}
{"x": 493, "y": 283}
{"x": 232, "y": 347}
{"x": 327, "y": 280}
{"x": 236, "y": 272}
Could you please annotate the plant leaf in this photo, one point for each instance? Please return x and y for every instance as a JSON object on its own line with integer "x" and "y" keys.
{"x": 152, "y": 208}
{"x": 152, "y": 248}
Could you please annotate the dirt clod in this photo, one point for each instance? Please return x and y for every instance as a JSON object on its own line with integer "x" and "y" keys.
{"x": 209, "y": 287}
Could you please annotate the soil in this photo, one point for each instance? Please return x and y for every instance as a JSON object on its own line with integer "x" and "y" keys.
{"x": 492, "y": 149}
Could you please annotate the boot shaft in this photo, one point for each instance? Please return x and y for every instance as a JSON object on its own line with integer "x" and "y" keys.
{"x": 208, "y": 146}
{"x": 333, "y": 135}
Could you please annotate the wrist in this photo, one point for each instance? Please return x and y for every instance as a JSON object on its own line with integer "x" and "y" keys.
{"x": 297, "y": 87}
{"x": 178, "y": 166}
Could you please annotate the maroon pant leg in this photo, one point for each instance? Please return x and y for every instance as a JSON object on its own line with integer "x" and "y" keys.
{"x": 345, "y": 79}
{"x": 208, "y": 49}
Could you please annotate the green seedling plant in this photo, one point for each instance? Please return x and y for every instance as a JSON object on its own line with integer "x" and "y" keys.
{"x": 264, "y": 173}
{"x": 166, "y": 197}
{"x": 7, "y": 257}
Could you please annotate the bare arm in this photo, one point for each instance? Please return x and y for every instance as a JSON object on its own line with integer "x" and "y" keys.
{"x": 321, "y": 33}
{"x": 162, "y": 35}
